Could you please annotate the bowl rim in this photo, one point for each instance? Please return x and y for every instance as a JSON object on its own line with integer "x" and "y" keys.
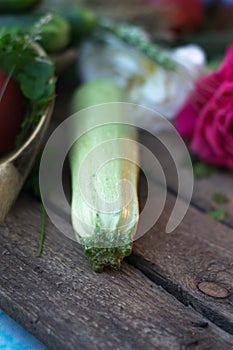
{"x": 15, "y": 153}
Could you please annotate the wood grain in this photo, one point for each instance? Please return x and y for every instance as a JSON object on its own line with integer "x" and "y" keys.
{"x": 217, "y": 182}
{"x": 63, "y": 303}
{"x": 67, "y": 306}
{"x": 194, "y": 263}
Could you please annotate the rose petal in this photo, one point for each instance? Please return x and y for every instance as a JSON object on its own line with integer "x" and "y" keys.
{"x": 188, "y": 115}
{"x": 200, "y": 146}
{"x": 213, "y": 139}
{"x": 230, "y": 163}
{"x": 186, "y": 120}
{"x": 226, "y": 68}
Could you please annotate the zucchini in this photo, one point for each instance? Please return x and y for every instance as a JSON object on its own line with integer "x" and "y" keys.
{"x": 54, "y": 35}
{"x": 14, "y": 6}
{"x": 106, "y": 237}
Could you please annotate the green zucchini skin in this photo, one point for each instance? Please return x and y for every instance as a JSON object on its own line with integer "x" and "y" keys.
{"x": 110, "y": 236}
{"x": 15, "y": 6}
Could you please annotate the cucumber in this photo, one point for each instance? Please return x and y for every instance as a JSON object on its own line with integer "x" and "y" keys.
{"x": 14, "y": 6}
{"x": 106, "y": 237}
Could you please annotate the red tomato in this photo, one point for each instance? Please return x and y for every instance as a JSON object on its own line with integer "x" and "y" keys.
{"x": 11, "y": 111}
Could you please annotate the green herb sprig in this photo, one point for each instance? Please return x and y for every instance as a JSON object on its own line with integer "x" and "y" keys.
{"x": 127, "y": 34}
{"x": 42, "y": 232}
{"x": 218, "y": 212}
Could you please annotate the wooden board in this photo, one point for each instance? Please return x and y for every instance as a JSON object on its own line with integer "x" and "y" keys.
{"x": 217, "y": 182}
{"x": 67, "y": 306}
{"x": 174, "y": 292}
{"x": 194, "y": 263}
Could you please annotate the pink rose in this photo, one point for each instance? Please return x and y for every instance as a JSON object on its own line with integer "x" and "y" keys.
{"x": 207, "y": 116}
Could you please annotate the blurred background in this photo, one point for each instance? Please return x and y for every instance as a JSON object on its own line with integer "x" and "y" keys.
{"x": 208, "y": 23}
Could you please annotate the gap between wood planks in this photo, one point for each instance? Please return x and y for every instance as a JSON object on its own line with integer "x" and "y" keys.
{"x": 216, "y": 281}
{"x": 205, "y": 283}
{"x": 41, "y": 295}
{"x": 209, "y": 261}
{"x": 194, "y": 263}
{"x": 188, "y": 263}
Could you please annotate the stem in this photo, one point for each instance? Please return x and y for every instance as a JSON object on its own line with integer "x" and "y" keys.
{"x": 2, "y": 92}
{"x": 42, "y": 232}
{"x": 127, "y": 35}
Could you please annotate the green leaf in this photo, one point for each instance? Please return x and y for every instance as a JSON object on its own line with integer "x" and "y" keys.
{"x": 219, "y": 198}
{"x": 218, "y": 214}
{"x": 34, "y": 78}
{"x": 42, "y": 232}
{"x": 201, "y": 169}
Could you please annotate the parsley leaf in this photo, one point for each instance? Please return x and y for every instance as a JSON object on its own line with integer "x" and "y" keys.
{"x": 218, "y": 214}
{"x": 219, "y": 198}
{"x": 201, "y": 169}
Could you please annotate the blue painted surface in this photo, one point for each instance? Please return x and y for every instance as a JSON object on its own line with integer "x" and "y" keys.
{"x": 15, "y": 337}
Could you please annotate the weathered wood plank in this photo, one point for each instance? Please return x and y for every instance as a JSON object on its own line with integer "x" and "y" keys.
{"x": 217, "y": 182}
{"x": 67, "y": 306}
{"x": 194, "y": 263}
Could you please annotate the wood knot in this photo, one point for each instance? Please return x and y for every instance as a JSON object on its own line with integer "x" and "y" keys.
{"x": 213, "y": 289}
{"x": 38, "y": 269}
